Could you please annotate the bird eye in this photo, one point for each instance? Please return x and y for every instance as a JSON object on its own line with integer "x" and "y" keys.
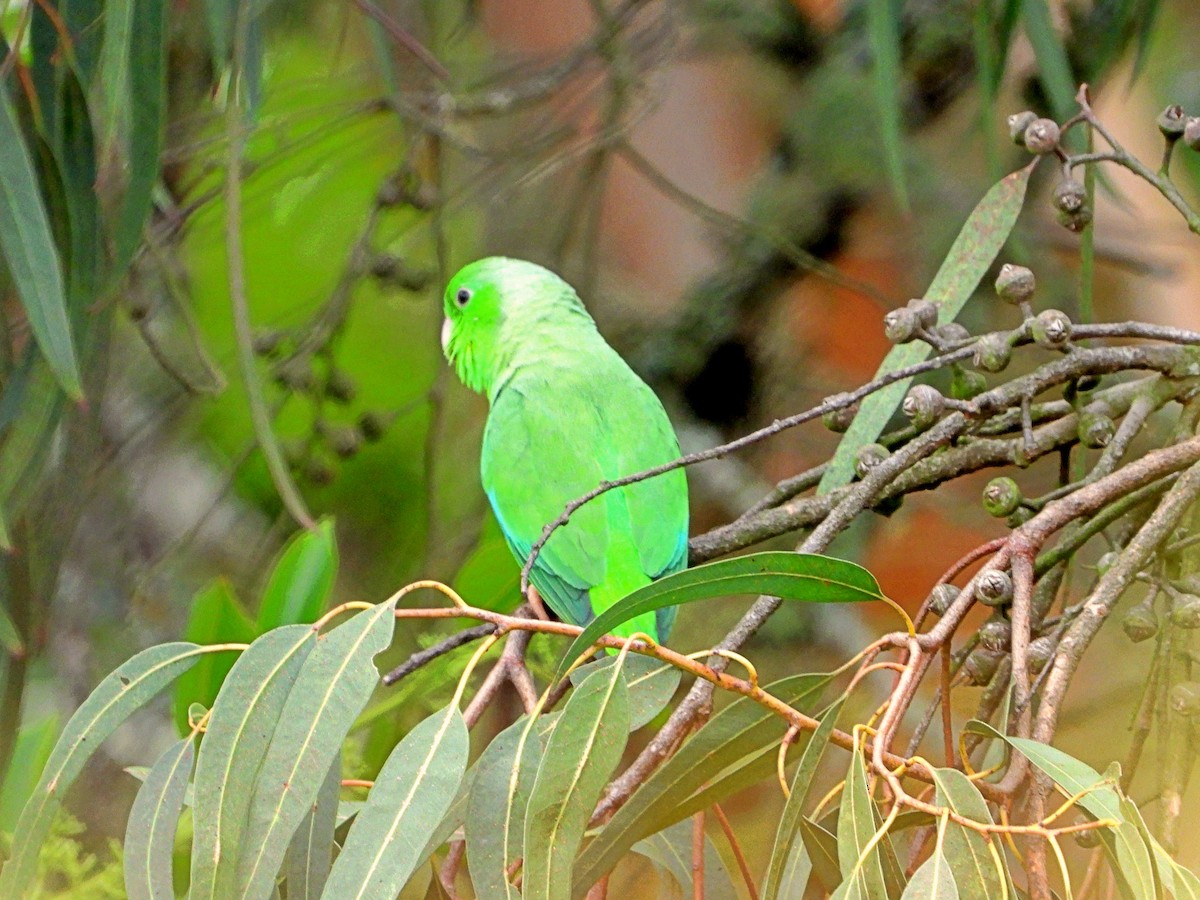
{"x": 462, "y": 297}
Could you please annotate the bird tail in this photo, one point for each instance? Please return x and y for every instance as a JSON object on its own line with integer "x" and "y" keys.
{"x": 624, "y": 576}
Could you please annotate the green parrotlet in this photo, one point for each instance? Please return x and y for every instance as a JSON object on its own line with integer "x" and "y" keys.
{"x": 566, "y": 413}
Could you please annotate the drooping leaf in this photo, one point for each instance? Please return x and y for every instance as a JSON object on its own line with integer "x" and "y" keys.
{"x": 807, "y": 577}
{"x": 582, "y": 753}
{"x": 216, "y": 617}
{"x": 1054, "y": 69}
{"x": 861, "y": 868}
{"x": 310, "y": 854}
{"x": 30, "y": 251}
{"x": 651, "y": 685}
{"x": 153, "y": 819}
{"x": 671, "y": 852}
{"x": 412, "y": 792}
{"x": 119, "y": 695}
{"x": 980, "y": 240}
{"x": 933, "y": 881}
{"x": 244, "y": 717}
{"x": 299, "y": 586}
{"x": 883, "y": 35}
{"x": 793, "y": 809}
{"x": 965, "y": 850}
{"x": 31, "y": 750}
{"x": 76, "y": 161}
{"x": 333, "y": 685}
{"x": 822, "y": 847}
{"x": 733, "y": 739}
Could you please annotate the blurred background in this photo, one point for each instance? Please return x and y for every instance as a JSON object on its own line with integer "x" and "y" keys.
{"x": 726, "y": 182}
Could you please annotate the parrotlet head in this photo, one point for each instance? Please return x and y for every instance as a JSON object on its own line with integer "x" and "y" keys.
{"x": 496, "y": 308}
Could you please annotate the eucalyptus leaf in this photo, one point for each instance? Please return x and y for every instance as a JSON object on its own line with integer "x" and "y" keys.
{"x": 153, "y": 819}
{"x": 310, "y": 854}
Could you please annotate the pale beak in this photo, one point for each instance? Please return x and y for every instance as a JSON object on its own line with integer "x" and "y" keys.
{"x": 447, "y": 328}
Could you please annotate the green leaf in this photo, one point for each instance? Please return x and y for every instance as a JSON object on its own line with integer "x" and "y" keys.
{"x": 412, "y": 792}
{"x": 333, "y": 686}
{"x": 651, "y": 685}
{"x": 862, "y": 869}
{"x": 114, "y": 73}
{"x": 301, "y": 581}
{"x": 127, "y": 689}
{"x": 737, "y": 737}
{"x": 31, "y": 749}
{"x": 807, "y": 577}
{"x": 883, "y": 36}
{"x": 311, "y": 851}
{"x": 934, "y": 881}
{"x": 980, "y": 240}
{"x": 581, "y": 754}
{"x": 965, "y": 850}
{"x": 153, "y": 819}
{"x": 27, "y": 446}
{"x": 796, "y": 872}
{"x": 10, "y": 638}
{"x": 244, "y": 717}
{"x": 671, "y": 852}
{"x": 822, "y": 847}
{"x": 147, "y": 124}
{"x": 76, "y": 161}
{"x": 495, "y": 821}
{"x": 793, "y": 809}
{"x": 1054, "y": 69}
{"x": 216, "y": 617}
{"x": 29, "y": 249}
{"x": 1134, "y": 855}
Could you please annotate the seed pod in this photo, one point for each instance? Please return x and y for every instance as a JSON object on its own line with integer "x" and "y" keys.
{"x": 1185, "y": 698}
{"x": 941, "y": 597}
{"x": 1075, "y": 221}
{"x": 838, "y": 420}
{"x": 994, "y": 588}
{"x": 1041, "y": 137}
{"x": 1185, "y": 611}
{"x": 1070, "y": 195}
{"x": 1140, "y": 623}
{"x": 296, "y": 374}
{"x": 1001, "y": 497}
{"x": 1191, "y": 133}
{"x": 266, "y": 343}
{"x": 901, "y": 325}
{"x": 1015, "y": 284}
{"x": 925, "y": 310}
{"x": 1041, "y": 651}
{"x": 319, "y": 472}
{"x": 966, "y": 384}
{"x": 953, "y": 333}
{"x": 344, "y": 440}
{"x": 981, "y": 665}
{"x": 1096, "y": 427}
{"x": 996, "y": 635}
{"x": 992, "y": 353}
{"x": 340, "y": 387}
{"x": 373, "y": 425}
{"x": 1017, "y": 123}
{"x": 923, "y": 405}
{"x": 1087, "y": 839}
{"x": 1171, "y": 122}
{"x": 1051, "y": 329}
{"x": 868, "y": 457}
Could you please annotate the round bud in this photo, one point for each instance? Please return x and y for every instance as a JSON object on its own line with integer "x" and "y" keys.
{"x": 1001, "y": 497}
{"x": 340, "y": 387}
{"x": 372, "y": 425}
{"x": 1041, "y": 137}
{"x": 1070, "y": 195}
{"x": 1185, "y": 698}
{"x": 981, "y": 665}
{"x": 953, "y": 333}
{"x": 868, "y": 457}
{"x": 266, "y": 343}
{"x": 1185, "y": 611}
{"x": 296, "y": 374}
{"x": 319, "y": 472}
{"x": 926, "y": 312}
{"x": 1076, "y": 221}
{"x": 1088, "y": 839}
{"x": 1041, "y": 651}
{"x": 1017, "y": 123}
{"x": 923, "y": 405}
{"x": 1191, "y": 133}
{"x": 901, "y": 325}
{"x": 1140, "y": 623}
{"x": 1096, "y": 427}
{"x": 966, "y": 384}
{"x": 992, "y": 353}
{"x": 1051, "y": 329}
{"x": 1171, "y": 122}
{"x": 344, "y": 440}
{"x": 994, "y": 588}
{"x": 996, "y": 635}
{"x": 838, "y": 420}
{"x": 1015, "y": 284}
{"x": 941, "y": 597}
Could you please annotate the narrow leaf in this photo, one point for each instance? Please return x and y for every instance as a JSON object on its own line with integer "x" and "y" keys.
{"x": 980, "y": 240}
{"x": 311, "y": 851}
{"x": 29, "y": 249}
{"x": 822, "y": 847}
{"x": 119, "y": 695}
{"x": 651, "y": 685}
{"x": 412, "y": 792}
{"x": 1054, "y": 69}
{"x": 965, "y": 850}
{"x": 333, "y": 686}
{"x": 153, "y": 819}
{"x": 299, "y": 586}
{"x": 883, "y": 35}
{"x": 31, "y": 750}
{"x": 862, "y": 869}
{"x": 933, "y": 881}
{"x": 581, "y": 754}
{"x": 671, "y": 851}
